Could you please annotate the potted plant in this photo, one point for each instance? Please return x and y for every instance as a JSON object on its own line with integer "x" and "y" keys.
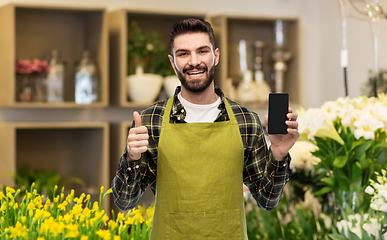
{"x": 147, "y": 64}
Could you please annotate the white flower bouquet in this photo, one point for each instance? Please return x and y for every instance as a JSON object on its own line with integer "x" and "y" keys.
{"x": 350, "y": 136}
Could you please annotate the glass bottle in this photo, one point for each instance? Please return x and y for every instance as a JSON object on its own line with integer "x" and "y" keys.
{"x": 86, "y": 80}
{"x": 55, "y": 78}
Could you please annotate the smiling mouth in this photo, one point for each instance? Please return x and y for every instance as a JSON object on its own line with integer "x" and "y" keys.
{"x": 195, "y": 73}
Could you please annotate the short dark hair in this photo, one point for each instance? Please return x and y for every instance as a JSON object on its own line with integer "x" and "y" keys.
{"x": 191, "y": 25}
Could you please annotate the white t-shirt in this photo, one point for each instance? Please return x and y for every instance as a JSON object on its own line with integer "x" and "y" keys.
{"x": 200, "y": 112}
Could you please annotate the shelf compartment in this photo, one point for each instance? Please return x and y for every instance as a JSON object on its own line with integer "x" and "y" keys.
{"x": 70, "y": 148}
{"x": 119, "y": 30}
{"x": 32, "y": 31}
{"x": 230, "y": 29}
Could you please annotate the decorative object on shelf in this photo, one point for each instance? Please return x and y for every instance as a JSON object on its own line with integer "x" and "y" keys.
{"x": 263, "y": 89}
{"x": 74, "y": 216}
{"x": 344, "y": 50}
{"x": 144, "y": 87}
{"x": 374, "y": 12}
{"x": 245, "y": 90}
{"x": 86, "y": 80}
{"x": 147, "y": 54}
{"x": 55, "y": 78}
{"x": 381, "y": 82}
{"x": 280, "y": 57}
{"x": 30, "y": 80}
{"x": 147, "y": 51}
{"x": 170, "y": 84}
{"x": 253, "y": 88}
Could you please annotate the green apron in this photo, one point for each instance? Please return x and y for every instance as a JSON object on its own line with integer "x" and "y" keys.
{"x": 199, "y": 190}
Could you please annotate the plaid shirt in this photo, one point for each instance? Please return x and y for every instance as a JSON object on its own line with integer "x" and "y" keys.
{"x": 262, "y": 174}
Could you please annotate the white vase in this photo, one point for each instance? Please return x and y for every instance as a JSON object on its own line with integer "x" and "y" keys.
{"x": 144, "y": 88}
{"x": 170, "y": 84}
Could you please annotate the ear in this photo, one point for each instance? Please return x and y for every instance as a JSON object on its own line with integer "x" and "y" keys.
{"x": 217, "y": 54}
{"x": 172, "y": 62}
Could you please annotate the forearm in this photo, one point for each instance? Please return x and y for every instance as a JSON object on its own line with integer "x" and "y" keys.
{"x": 267, "y": 188}
{"x": 126, "y": 185}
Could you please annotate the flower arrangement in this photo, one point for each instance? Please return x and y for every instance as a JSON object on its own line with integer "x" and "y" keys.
{"x": 371, "y": 225}
{"x": 38, "y": 217}
{"x": 147, "y": 52}
{"x": 36, "y": 66}
{"x": 290, "y": 219}
{"x": 30, "y": 85}
{"x": 350, "y": 135}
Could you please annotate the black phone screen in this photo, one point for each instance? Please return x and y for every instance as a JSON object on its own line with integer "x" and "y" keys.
{"x": 278, "y": 109}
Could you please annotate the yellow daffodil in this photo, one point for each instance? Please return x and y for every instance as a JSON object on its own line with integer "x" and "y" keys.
{"x": 120, "y": 217}
{"x": 77, "y": 210}
{"x": 10, "y": 190}
{"x": 116, "y": 237}
{"x": 99, "y": 215}
{"x": 84, "y": 237}
{"x": 68, "y": 218}
{"x": 105, "y": 218}
{"x": 38, "y": 215}
{"x": 112, "y": 225}
{"x": 82, "y": 218}
{"x": 86, "y": 212}
{"x": 95, "y": 206}
{"x": 57, "y": 228}
{"x": 31, "y": 206}
{"x": 2, "y": 196}
{"x": 72, "y": 234}
{"x": 104, "y": 234}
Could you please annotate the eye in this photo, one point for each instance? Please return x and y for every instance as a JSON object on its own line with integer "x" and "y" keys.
{"x": 181, "y": 54}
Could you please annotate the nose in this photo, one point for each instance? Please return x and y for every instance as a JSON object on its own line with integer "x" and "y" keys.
{"x": 194, "y": 60}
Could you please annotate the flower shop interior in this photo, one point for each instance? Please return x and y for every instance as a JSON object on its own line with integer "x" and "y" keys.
{"x": 71, "y": 76}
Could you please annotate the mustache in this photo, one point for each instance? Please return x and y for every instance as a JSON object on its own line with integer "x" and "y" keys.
{"x": 197, "y": 67}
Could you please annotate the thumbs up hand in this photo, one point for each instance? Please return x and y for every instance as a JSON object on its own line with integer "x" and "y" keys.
{"x": 137, "y": 139}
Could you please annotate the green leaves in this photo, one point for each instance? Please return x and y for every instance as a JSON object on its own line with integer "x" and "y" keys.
{"x": 340, "y": 161}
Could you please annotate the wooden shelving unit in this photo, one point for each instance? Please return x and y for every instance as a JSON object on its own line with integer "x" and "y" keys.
{"x": 78, "y": 149}
{"x": 32, "y": 31}
{"x": 119, "y": 27}
{"x": 229, "y": 30}
{"x": 92, "y": 150}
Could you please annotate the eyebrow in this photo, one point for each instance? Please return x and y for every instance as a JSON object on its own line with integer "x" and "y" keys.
{"x": 199, "y": 48}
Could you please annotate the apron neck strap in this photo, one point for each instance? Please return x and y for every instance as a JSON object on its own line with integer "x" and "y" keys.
{"x": 168, "y": 107}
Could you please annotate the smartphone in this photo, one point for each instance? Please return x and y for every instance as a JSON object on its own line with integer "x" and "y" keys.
{"x": 278, "y": 109}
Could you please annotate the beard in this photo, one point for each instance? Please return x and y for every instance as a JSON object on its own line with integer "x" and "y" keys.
{"x": 197, "y": 86}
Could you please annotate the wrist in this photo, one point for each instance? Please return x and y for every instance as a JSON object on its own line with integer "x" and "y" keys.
{"x": 277, "y": 154}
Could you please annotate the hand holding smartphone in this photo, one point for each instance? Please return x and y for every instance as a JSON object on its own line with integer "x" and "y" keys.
{"x": 278, "y": 109}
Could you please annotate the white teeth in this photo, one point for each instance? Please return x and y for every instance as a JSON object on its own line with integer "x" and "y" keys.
{"x": 195, "y": 73}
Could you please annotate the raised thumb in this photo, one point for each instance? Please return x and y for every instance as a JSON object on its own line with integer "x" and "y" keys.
{"x": 137, "y": 119}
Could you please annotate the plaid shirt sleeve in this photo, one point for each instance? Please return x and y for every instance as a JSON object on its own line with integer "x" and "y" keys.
{"x": 262, "y": 174}
{"x": 132, "y": 178}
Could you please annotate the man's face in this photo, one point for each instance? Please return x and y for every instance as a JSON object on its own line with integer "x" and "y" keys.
{"x": 194, "y": 60}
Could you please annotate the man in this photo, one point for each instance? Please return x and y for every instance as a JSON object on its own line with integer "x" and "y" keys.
{"x": 200, "y": 147}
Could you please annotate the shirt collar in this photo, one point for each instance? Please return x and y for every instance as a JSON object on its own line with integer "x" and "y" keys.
{"x": 178, "y": 112}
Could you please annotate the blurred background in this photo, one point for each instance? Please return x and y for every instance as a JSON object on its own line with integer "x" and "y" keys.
{"x": 312, "y": 36}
